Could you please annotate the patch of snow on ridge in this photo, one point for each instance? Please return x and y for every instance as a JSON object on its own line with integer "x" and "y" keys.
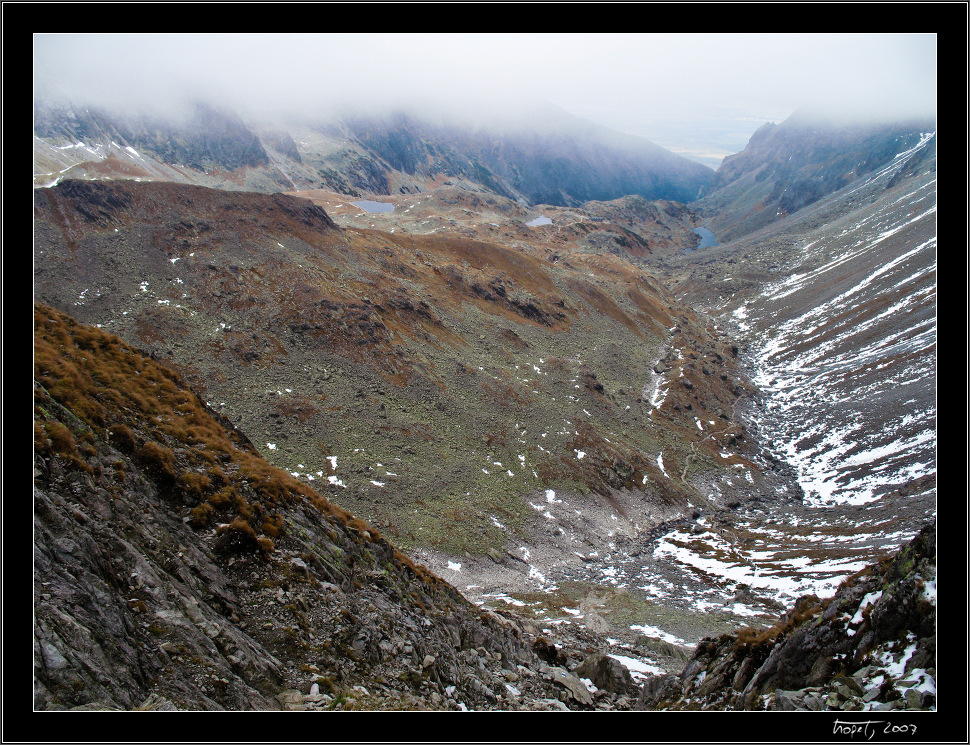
{"x": 658, "y": 633}
{"x": 638, "y": 668}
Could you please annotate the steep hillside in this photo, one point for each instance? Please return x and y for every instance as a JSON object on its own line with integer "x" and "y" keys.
{"x": 837, "y": 305}
{"x": 833, "y": 310}
{"x": 560, "y": 161}
{"x": 786, "y": 167}
{"x": 175, "y": 569}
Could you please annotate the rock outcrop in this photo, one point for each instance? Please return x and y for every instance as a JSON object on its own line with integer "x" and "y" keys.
{"x": 872, "y": 646}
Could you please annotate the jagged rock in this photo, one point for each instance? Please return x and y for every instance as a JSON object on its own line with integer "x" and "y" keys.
{"x": 789, "y": 700}
{"x": 548, "y": 651}
{"x": 658, "y": 688}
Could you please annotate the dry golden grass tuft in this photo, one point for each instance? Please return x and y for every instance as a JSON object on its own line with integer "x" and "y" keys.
{"x": 805, "y": 610}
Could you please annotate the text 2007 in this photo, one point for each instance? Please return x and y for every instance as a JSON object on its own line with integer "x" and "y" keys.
{"x": 868, "y": 729}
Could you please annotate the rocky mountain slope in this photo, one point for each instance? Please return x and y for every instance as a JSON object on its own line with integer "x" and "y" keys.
{"x": 837, "y": 307}
{"x": 548, "y": 402}
{"x": 558, "y": 159}
{"x": 562, "y": 161}
{"x": 788, "y": 166}
{"x": 833, "y": 309}
{"x": 175, "y": 569}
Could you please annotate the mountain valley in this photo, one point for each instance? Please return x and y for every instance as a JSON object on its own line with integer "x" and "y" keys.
{"x": 561, "y": 433}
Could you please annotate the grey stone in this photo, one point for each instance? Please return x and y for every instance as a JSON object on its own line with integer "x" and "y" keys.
{"x": 788, "y": 700}
{"x": 913, "y": 698}
{"x": 852, "y": 684}
{"x": 574, "y": 686}
{"x": 814, "y": 703}
{"x": 53, "y": 659}
{"x": 606, "y": 673}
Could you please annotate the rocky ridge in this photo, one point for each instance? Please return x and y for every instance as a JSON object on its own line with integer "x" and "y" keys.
{"x": 788, "y": 166}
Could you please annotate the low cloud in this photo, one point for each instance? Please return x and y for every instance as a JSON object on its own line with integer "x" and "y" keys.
{"x": 635, "y": 83}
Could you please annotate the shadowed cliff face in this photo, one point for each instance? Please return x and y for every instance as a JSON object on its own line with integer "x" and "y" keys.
{"x": 575, "y": 163}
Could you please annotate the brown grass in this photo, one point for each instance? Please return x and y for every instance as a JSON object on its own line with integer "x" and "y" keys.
{"x": 603, "y": 304}
{"x": 751, "y": 638}
{"x": 141, "y": 408}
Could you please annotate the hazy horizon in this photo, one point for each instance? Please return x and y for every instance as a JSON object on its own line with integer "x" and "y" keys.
{"x": 699, "y": 95}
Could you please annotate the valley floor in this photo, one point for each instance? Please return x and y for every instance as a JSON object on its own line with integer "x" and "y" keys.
{"x": 853, "y": 362}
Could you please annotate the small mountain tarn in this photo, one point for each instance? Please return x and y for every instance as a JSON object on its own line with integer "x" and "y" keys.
{"x": 708, "y": 238}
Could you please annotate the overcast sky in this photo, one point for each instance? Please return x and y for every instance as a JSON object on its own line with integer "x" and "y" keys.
{"x": 688, "y": 92}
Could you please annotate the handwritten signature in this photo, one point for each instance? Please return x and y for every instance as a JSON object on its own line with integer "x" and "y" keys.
{"x": 870, "y": 728}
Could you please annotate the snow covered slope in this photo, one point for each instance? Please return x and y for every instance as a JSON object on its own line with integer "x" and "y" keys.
{"x": 844, "y": 347}
{"x": 834, "y": 311}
